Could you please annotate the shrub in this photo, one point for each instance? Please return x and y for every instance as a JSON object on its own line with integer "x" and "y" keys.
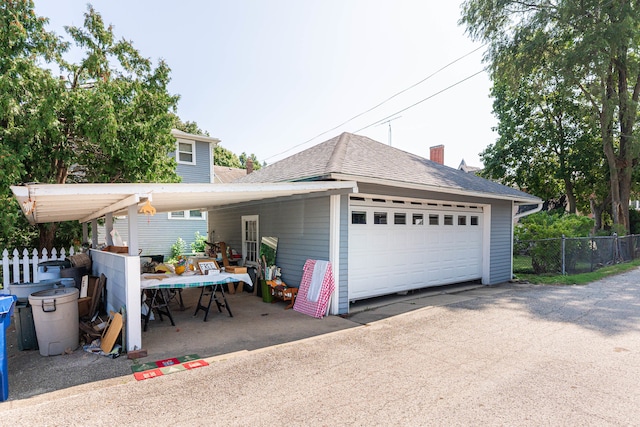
{"x": 546, "y": 229}
{"x": 199, "y": 244}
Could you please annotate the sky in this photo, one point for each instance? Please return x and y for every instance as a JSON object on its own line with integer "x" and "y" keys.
{"x": 274, "y": 77}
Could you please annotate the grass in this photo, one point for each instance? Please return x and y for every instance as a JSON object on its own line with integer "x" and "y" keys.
{"x": 580, "y": 279}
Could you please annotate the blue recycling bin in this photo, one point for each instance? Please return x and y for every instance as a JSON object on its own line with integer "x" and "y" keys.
{"x": 7, "y": 302}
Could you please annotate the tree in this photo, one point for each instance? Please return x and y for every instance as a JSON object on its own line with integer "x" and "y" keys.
{"x": 105, "y": 119}
{"x": 243, "y": 160}
{"x": 188, "y": 127}
{"x": 593, "y": 45}
{"x": 224, "y": 157}
{"x": 23, "y": 89}
{"x": 544, "y": 144}
{"x": 221, "y": 155}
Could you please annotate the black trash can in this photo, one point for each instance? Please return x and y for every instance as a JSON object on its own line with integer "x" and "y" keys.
{"x": 25, "y": 327}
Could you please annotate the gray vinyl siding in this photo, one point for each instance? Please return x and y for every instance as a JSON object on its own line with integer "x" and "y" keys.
{"x": 301, "y": 226}
{"x": 158, "y": 233}
{"x": 201, "y": 171}
{"x": 343, "y": 295}
{"x": 501, "y": 242}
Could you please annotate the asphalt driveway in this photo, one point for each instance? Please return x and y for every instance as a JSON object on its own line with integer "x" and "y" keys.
{"x": 515, "y": 354}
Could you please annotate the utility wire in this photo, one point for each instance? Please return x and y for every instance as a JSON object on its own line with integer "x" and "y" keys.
{"x": 385, "y": 101}
{"x": 421, "y": 101}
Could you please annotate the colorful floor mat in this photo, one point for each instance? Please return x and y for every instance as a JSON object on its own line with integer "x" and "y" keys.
{"x": 167, "y": 366}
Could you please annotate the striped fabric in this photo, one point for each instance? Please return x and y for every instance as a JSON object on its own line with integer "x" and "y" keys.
{"x": 303, "y": 305}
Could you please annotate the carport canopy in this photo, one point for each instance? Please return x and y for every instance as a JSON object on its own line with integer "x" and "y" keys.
{"x": 42, "y": 203}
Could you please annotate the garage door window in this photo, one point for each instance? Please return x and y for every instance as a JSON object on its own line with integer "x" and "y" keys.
{"x": 462, "y": 220}
{"x": 358, "y": 217}
{"x": 399, "y": 218}
{"x": 379, "y": 217}
{"x": 448, "y": 220}
{"x": 474, "y": 220}
{"x": 418, "y": 219}
{"x": 433, "y": 219}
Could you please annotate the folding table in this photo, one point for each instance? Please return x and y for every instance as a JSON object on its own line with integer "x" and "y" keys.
{"x": 210, "y": 284}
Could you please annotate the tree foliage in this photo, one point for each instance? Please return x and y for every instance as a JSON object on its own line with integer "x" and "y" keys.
{"x": 221, "y": 155}
{"x": 106, "y": 118}
{"x": 224, "y": 157}
{"x": 592, "y": 46}
{"x": 539, "y": 235}
{"x": 545, "y": 146}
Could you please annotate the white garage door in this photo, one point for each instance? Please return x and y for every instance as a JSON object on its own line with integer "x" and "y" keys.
{"x": 398, "y": 245}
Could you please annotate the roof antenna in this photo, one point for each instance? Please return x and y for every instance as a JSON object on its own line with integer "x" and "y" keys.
{"x": 389, "y": 121}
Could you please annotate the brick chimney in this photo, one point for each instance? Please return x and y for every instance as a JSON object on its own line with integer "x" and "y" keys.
{"x": 249, "y": 165}
{"x": 436, "y": 154}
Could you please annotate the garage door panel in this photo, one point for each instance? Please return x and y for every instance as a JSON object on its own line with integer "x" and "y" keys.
{"x": 388, "y": 258}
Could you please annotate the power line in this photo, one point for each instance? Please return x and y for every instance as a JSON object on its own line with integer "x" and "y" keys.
{"x": 383, "y": 102}
{"x": 421, "y": 101}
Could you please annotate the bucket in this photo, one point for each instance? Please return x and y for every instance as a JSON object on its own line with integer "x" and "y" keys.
{"x": 55, "y": 315}
{"x": 266, "y": 291}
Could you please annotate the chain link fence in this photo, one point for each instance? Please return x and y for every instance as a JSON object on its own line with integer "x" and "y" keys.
{"x": 572, "y": 255}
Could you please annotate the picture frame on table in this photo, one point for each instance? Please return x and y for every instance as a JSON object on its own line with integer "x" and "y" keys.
{"x": 208, "y": 265}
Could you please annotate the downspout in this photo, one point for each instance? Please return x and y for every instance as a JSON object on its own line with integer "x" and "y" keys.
{"x": 532, "y": 211}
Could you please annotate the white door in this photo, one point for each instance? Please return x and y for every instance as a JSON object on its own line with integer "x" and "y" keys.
{"x": 398, "y": 245}
{"x": 250, "y": 239}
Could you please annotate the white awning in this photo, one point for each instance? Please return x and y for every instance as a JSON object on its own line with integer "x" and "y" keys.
{"x": 43, "y": 203}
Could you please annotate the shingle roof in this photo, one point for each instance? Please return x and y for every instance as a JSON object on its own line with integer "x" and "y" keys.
{"x": 359, "y": 157}
{"x": 224, "y": 174}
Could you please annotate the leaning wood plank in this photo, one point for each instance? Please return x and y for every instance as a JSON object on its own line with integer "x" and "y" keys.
{"x": 111, "y": 334}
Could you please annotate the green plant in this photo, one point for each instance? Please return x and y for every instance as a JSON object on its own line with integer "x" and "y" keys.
{"x": 199, "y": 244}
{"x": 546, "y": 229}
{"x": 178, "y": 248}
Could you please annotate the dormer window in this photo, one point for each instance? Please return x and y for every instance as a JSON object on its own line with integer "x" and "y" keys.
{"x": 186, "y": 152}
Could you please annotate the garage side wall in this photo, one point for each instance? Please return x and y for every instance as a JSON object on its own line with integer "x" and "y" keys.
{"x": 501, "y": 242}
{"x": 301, "y": 226}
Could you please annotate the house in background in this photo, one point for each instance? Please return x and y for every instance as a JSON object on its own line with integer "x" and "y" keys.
{"x": 413, "y": 223}
{"x": 226, "y": 174}
{"x": 464, "y": 167}
{"x": 194, "y": 155}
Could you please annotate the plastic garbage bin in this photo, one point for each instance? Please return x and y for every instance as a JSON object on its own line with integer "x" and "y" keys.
{"x": 25, "y": 328}
{"x": 51, "y": 269}
{"x": 55, "y": 315}
{"x": 7, "y": 302}
{"x": 23, "y": 290}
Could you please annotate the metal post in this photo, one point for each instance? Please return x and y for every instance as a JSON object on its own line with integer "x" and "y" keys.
{"x": 564, "y": 272}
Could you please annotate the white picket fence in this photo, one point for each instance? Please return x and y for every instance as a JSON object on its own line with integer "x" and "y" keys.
{"x": 16, "y": 269}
